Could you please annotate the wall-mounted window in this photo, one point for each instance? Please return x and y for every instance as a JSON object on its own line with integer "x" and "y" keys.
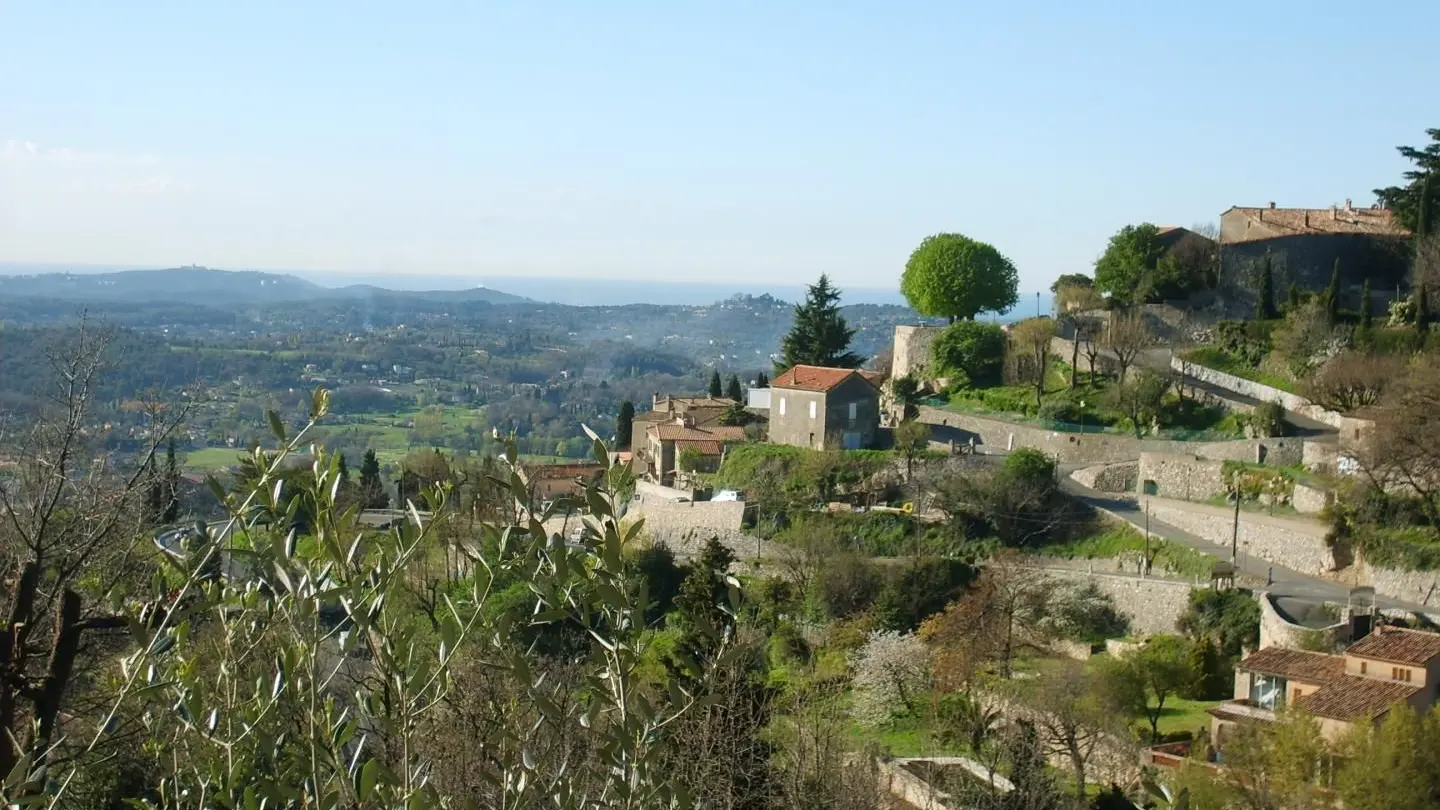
{"x": 1400, "y": 674}
{"x": 812, "y": 409}
{"x": 782, "y": 406}
{"x": 1362, "y": 667}
{"x": 854, "y": 411}
{"x": 1267, "y": 691}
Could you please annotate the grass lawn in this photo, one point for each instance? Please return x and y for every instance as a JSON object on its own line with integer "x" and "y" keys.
{"x": 1221, "y": 360}
{"x": 1125, "y": 541}
{"x": 212, "y": 459}
{"x": 1185, "y": 715}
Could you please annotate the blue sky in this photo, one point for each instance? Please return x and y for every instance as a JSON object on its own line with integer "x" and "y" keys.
{"x": 754, "y": 141}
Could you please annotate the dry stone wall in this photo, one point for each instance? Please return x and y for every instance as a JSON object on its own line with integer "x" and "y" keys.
{"x": 1254, "y": 390}
{"x": 1108, "y": 477}
{"x": 1309, "y": 500}
{"x": 1291, "y": 544}
{"x": 1183, "y": 477}
{"x": 1419, "y": 587}
{"x": 1151, "y": 605}
{"x": 911, "y": 350}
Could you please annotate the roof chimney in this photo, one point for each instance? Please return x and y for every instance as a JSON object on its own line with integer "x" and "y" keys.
{"x": 1334, "y": 212}
{"x": 1348, "y": 206}
{"x": 1272, "y": 205}
{"x": 1307, "y": 217}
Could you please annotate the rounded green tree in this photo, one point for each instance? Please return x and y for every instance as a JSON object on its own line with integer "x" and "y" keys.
{"x": 953, "y": 276}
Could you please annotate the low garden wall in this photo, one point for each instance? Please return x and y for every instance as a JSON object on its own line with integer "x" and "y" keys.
{"x": 1108, "y": 477}
{"x": 1249, "y": 388}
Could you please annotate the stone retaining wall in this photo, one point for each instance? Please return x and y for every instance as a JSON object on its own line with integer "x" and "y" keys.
{"x": 1182, "y": 477}
{"x": 1098, "y": 448}
{"x": 1151, "y": 605}
{"x": 912, "y": 349}
{"x": 1309, "y": 500}
{"x": 1277, "y": 631}
{"x": 1420, "y": 587}
{"x": 1299, "y": 548}
{"x": 1249, "y": 388}
{"x": 1108, "y": 477}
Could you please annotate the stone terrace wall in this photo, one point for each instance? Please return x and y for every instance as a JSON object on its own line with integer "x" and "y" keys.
{"x": 1309, "y": 500}
{"x": 1277, "y": 631}
{"x": 1108, "y": 477}
{"x": 1151, "y": 605}
{"x": 685, "y": 526}
{"x": 1420, "y": 587}
{"x": 1183, "y": 477}
{"x": 1290, "y": 544}
{"x": 1097, "y": 448}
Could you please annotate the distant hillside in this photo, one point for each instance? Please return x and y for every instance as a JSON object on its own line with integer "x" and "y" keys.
{"x": 203, "y": 286}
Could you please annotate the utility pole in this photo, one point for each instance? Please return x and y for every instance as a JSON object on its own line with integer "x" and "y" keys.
{"x": 1235, "y": 531}
{"x": 1145, "y": 562}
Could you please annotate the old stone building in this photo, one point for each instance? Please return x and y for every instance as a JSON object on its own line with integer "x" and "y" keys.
{"x": 825, "y": 408}
{"x": 1303, "y": 244}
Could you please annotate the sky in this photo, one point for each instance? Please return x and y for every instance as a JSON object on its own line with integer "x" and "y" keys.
{"x": 745, "y": 141}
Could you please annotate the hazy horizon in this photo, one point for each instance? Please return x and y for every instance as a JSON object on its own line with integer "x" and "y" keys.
{"x": 762, "y": 144}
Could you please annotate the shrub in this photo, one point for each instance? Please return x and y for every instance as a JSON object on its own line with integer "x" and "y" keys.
{"x": 970, "y": 353}
{"x": 1268, "y": 420}
{"x": 892, "y": 677}
{"x": 1248, "y": 341}
{"x": 849, "y": 584}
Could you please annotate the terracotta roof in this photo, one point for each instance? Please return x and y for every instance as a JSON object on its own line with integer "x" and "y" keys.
{"x": 1397, "y": 645}
{"x": 705, "y": 448}
{"x": 875, "y": 377}
{"x": 1353, "y": 698}
{"x": 1307, "y": 221}
{"x": 680, "y": 433}
{"x": 1299, "y": 665}
{"x": 813, "y": 378}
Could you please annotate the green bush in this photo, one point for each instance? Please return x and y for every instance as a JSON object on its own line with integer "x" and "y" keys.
{"x": 970, "y": 353}
{"x": 1409, "y": 548}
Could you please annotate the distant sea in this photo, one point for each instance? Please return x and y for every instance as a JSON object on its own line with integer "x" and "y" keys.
{"x": 571, "y": 291}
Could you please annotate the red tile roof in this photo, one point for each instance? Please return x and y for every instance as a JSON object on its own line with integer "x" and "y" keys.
{"x": 1298, "y": 665}
{"x": 1354, "y": 698}
{"x": 680, "y": 433}
{"x": 705, "y": 448}
{"x": 1397, "y": 645}
{"x": 814, "y": 378}
{"x": 1307, "y": 221}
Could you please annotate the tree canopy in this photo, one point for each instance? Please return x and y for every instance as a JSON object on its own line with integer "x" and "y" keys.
{"x": 1142, "y": 264}
{"x": 1133, "y": 252}
{"x": 956, "y": 277}
{"x": 820, "y": 335}
{"x": 1405, "y": 200}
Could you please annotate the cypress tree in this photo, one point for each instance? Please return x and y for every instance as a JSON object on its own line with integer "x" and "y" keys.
{"x": 625, "y": 425}
{"x": 1367, "y": 307}
{"x": 154, "y": 505}
{"x": 1332, "y": 293}
{"x": 716, "y": 390}
{"x": 1265, "y": 308}
{"x": 372, "y": 489}
{"x": 820, "y": 336}
{"x": 762, "y": 381}
{"x": 732, "y": 389}
{"x": 343, "y": 470}
{"x": 171, "y": 492}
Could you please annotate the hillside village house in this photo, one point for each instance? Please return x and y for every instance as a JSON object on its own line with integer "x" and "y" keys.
{"x": 1388, "y": 667}
{"x": 825, "y": 408}
{"x": 668, "y": 444}
{"x": 1303, "y": 245}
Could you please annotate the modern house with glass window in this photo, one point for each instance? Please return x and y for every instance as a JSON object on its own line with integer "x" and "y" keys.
{"x": 1386, "y": 668}
{"x": 825, "y": 408}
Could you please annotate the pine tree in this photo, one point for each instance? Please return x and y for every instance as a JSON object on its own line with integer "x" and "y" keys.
{"x": 1367, "y": 308}
{"x": 1265, "y": 308}
{"x": 820, "y": 336}
{"x": 372, "y": 489}
{"x": 171, "y": 492}
{"x": 343, "y": 470}
{"x": 716, "y": 391}
{"x": 625, "y": 425}
{"x": 761, "y": 380}
{"x": 1423, "y": 213}
{"x": 1332, "y": 293}
{"x": 732, "y": 389}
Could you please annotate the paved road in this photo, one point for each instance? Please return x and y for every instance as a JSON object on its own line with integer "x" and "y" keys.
{"x": 1286, "y": 583}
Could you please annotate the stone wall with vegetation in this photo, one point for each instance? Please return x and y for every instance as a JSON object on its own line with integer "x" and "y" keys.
{"x": 1108, "y": 477}
{"x": 1098, "y": 448}
{"x": 1308, "y": 499}
{"x": 1249, "y": 388}
{"x": 1150, "y": 605}
{"x": 1286, "y": 543}
{"x": 1420, "y": 587}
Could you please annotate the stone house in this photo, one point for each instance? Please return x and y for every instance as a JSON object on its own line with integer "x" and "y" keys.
{"x": 1384, "y": 669}
{"x": 667, "y": 443}
{"x": 825, "y": 408}
{"x": 1303, "y": 244}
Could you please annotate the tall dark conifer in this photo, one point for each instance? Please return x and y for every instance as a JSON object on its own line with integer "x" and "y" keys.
{"x": 716, "y": 390}
{"x": 820, "y": 335}
{"x": 171, "y": 489}
{"x": 625, "y": 425}
{"x": 732, "y": 389}
{"x": 1332, "y": 293}
{"x": 1265, "y": 307}
{"x": 1367, "y": 308}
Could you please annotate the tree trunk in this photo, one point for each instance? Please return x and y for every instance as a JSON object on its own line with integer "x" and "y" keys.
{"x": 1078, "y": 763}
{"x": 1074, "y": 359}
